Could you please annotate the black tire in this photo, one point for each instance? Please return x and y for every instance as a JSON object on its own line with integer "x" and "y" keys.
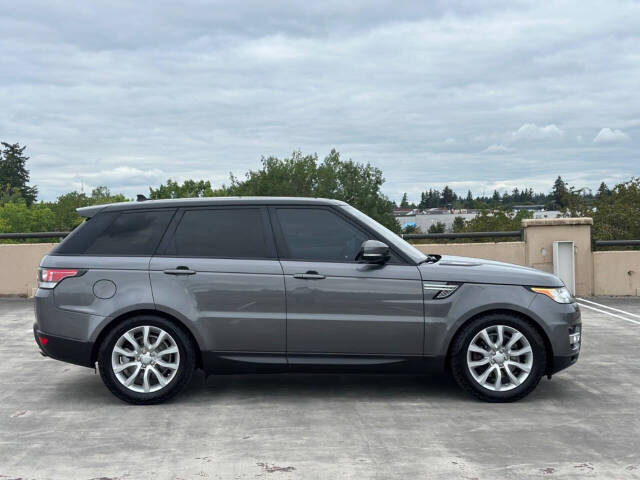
{"x": 182, "y": 377}
{"x": 458, "y": 357}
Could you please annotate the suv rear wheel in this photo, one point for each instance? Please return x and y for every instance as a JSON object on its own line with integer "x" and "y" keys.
{"x": 146, "y": 359}
{"x": 498, "y": 357}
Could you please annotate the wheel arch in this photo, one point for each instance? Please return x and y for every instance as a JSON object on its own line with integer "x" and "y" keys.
{"x": 535, "y": 323}
{"x": 133, "y": 313}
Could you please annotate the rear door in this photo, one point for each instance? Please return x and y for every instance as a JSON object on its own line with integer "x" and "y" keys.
{"x": 335, "y": 305}
{"x": 217, "y": 268}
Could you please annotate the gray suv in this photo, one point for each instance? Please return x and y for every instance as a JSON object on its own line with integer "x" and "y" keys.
{"x": 151, "y": 290}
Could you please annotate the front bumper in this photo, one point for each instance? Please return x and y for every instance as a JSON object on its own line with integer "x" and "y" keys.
{"x": 560, "y": 322}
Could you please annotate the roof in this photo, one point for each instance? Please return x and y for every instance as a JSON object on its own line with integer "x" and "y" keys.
{"x": 205, "y": 201}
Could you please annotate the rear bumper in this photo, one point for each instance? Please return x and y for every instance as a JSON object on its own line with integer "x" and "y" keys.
{"x": 64, "y": 349}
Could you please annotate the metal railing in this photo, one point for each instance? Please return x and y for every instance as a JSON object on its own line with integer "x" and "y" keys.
{"x": 421, "y": 236}
{"x": 406, "y": 236}
{"x": 616, "y": 243}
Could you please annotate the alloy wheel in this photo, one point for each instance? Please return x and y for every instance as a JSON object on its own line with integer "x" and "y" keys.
{"x": 499, "y": 358}
{"x": 145, "y": 359}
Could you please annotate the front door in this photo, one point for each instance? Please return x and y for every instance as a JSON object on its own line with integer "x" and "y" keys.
{"x": 337, "y": 306}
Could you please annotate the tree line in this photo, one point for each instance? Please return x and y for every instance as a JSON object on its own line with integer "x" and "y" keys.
{"x": 616, "y": 210}
{"x": 558, "y": 198}
{"x": 298, "y": 175}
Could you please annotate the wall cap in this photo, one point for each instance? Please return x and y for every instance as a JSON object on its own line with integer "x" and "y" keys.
{"x": 538, "y": 222}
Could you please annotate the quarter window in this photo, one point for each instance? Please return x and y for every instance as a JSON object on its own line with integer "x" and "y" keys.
{"x": 135, "y": 233}
{"x": 319, "y": 234}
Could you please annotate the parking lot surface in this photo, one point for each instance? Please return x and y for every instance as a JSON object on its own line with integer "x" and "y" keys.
{"x": 58, "y": 421}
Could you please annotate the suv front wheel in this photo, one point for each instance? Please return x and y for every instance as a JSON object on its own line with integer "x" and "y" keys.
{"x": 498, "y": 357}
{"x": 146, "y": 360}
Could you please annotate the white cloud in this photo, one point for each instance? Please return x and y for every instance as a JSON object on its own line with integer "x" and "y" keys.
{"x": 607, "y": 135}
{"x": 530, "y": 131}
{"x": 497, "y": 148}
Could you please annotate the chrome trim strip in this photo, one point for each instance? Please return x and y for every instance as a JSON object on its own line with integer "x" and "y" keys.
{"x": 432, "y": 286}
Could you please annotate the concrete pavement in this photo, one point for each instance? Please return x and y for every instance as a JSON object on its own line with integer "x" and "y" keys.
{"x": 58, "y": 421}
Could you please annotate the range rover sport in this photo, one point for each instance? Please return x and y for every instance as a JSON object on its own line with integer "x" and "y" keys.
{"x": 151, "y": 290}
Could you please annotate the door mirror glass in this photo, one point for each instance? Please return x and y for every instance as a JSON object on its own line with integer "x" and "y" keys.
{"x": 373, "y": 251}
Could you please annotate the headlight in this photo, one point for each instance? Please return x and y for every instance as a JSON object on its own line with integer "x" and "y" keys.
{"x": 560, "y": 295}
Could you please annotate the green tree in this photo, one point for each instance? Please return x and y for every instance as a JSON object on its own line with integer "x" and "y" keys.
{"x": 437, "y": 227}
{"x": 404, "y": 203}
{"x": 18, "y": 217}
{"x": 64, "y": 208}
{"x": 458, "y": 224}
{"x": 14, "y": 175}
{"x": 603, "y": 190}
{"x": 560, "y": 193}
{"x": 448, "y": 196}
{"x": 304, "y": 176}
{"x": 497, "y": 220}
{"x": 468, "y": 202}
{"x": 616, "y": 215}
{"x": 188, "y": 189}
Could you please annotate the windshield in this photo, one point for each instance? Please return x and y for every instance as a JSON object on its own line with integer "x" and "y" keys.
{"x": 393, "y": 239}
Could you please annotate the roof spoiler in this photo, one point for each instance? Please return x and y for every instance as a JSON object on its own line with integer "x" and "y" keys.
{"x": 88, "y": 212}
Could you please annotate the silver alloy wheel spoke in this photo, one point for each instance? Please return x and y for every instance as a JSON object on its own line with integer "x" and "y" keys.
{"x": 124, "y": 352}
{"x": 508, "y": 363}
{"x": 151, "y": 365}
{"x": 500, "y": 336}
{"x": 512, "y": 377}
{"x": 477, "y": 349}
{"x": 163, "y": 364}
{"x": 168, "y": 351}
{"x": 145, "y": 336}
{"x": 159, "y": 340}
{"x": 124, "y": 366}
{"x": 498, "y": 382}
{"x": 485, "y": 337}
{"x": 517, "y": 353}
{"x": 513, "y": 340}
{"x": 132, "y": 341}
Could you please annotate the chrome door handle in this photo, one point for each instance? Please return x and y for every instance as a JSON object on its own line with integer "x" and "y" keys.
{"x": 310, "y": 275}
{"x": 179, "y": 271}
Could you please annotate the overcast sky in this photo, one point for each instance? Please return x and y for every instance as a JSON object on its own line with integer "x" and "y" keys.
{"x": 127, "y": 94}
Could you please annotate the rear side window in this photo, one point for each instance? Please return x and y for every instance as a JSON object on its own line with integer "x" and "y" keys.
{"x": 113, "y": 233}
{"x": 226, "y": 233}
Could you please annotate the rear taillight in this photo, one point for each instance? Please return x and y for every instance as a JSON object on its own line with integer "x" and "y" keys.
{"x": 50, "y": 277}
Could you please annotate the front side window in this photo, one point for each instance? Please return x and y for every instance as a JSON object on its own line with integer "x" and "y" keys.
{"x": 134, "y": 233}
{"x": 225, "y": 233}
{"x": 319, "y": 234}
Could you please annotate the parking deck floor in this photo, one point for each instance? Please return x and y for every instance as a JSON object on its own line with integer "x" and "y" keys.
{"x": 58, "y": 421}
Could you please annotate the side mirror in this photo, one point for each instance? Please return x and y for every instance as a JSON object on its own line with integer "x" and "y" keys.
{"x": 373, "y": 251}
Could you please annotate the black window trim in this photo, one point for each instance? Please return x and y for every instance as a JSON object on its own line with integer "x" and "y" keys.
{"x": 281, "y": 245}
{"x": 164, "y": 244}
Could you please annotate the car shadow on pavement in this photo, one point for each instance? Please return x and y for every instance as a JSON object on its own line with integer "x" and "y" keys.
{"x": 297, "y": 386}
{"x": 89, "y": 389}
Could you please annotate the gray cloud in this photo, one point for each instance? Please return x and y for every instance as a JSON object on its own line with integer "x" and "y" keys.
{"x": 131, "y": 93}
